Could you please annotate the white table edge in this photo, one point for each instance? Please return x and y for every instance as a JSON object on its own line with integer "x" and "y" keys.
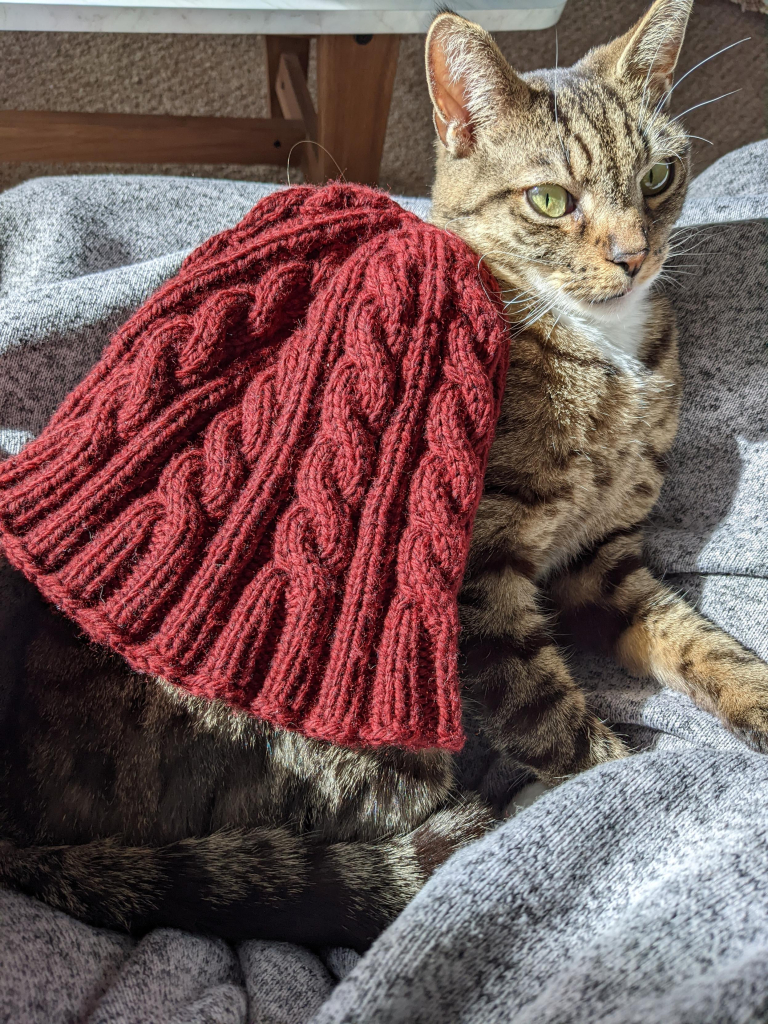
{"x": 53, "y": 17}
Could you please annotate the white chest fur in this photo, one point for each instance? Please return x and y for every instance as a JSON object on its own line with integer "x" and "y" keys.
{"x": 617, "y": 328}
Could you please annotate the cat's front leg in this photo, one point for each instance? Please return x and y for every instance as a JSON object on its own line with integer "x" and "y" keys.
{"x": 611, "y": 601}
{"x": 531, "y": 709}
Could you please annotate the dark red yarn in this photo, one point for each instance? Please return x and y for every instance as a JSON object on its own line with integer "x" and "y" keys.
{"x": 265, "y": 489}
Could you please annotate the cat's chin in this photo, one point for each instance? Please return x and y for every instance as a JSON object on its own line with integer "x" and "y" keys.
{"x": 612, "y": 298}
{"x": 599, "y": 308}
{"x": 613, "y": 306}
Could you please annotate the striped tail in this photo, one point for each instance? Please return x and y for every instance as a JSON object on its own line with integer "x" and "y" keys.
{"x": 265, "y": 883}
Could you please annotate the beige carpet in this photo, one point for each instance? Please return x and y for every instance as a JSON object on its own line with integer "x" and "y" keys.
{"x": 225, "y": 75}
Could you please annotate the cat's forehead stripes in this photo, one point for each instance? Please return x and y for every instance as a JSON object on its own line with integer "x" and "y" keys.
{"x": 598, "y": 131}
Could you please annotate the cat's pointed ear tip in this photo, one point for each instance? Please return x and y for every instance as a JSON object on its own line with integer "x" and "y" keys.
{"x": 648, "y": 53}
{"x": 683, "y": 6}
{"x": 443, "y": 22}
{"x": 680, "y": 10}
{"x": 444, "y": 11}
{"x": 441, "y": 10}
{"x": 673, "y": 15}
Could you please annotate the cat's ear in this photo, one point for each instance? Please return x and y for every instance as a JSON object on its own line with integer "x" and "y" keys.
{"x": 647, "y": 55}
{"x": 471, "y": 85}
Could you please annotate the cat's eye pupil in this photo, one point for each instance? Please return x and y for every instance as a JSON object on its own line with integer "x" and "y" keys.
{"x": 551, "y": 200}
{"x": 656, "y": 179}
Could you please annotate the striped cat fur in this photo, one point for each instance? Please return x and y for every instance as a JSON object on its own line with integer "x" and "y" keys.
{"x": 154, "y": 808}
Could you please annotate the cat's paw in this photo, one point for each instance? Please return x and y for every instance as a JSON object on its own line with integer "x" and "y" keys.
{"x": 743, "y": 703}
{"x": 603, "y": 744}
{"x": 592, "y": 743}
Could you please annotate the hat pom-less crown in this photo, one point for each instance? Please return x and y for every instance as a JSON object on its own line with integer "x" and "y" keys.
{"x": 264, "y": 491}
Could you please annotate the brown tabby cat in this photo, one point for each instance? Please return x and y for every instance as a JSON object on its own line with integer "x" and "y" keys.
{"x": 131, "y": 805}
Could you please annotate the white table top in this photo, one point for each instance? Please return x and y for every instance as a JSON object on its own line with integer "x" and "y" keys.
{"x": 270, "y": 17}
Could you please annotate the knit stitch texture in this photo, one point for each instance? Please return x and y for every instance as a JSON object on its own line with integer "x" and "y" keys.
{"x": 264, "y": 492}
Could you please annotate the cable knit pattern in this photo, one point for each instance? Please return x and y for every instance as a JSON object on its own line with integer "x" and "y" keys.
{"x": 265, "y": 490}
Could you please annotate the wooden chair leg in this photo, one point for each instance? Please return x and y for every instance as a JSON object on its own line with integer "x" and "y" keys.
{"x": 296, "y": 105}
{"x": 277, "y": 45}
{"x": 355, "y": 75}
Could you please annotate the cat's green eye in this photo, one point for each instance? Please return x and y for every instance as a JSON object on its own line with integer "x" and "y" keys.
{"x": 551, "y": 200}
{"x": 656, "y": 179}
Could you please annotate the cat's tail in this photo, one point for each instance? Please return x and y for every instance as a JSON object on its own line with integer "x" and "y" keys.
{"x": 264, "y": 883}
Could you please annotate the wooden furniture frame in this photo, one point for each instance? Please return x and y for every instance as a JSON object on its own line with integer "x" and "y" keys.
{"x": 355, "y": 77}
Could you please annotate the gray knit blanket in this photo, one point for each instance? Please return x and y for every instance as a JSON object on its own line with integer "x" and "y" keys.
{"x": 637, "y": 892}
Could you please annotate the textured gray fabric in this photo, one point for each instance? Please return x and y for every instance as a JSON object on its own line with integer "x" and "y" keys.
{"x": 286, "y": 984}
{"x": 733, "y": 188}
{"x": 636, "y": 892}
{"x": 52, "y": 968}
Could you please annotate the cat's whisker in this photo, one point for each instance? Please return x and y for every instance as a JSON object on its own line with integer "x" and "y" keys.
{"x": 691, "y": 252}
{"x": 673, "y": 264}
{"x": 517, "y": 254}
{"x": 695, "y": 241}
{"x": 527, "y": 299}
{"x": 518, "y": 316}
{"x": 706, "y": 103}
{"x": 311, "y": 142}
{"x": 706, "y": 59}
{"x": 670, "y": 278}
{"x": 659, "y": 109}
{"x": 554, "y": 325}
{"x": 691, "y": 262}
{"x": 673, "y": 260}
{"x": 686, "y": 233}
{"x": 537, "y": 314}
{"x": 701, "y": 139}
{"x": 675, "y": 275}
{"x": 693, "y": 244}
{"x": 546, "y": 307}
{"x": 554, "y": 92}
{"x": 446, "y": 226}
{"x": 682, "y": 237}
{"x": 532, "y": 305}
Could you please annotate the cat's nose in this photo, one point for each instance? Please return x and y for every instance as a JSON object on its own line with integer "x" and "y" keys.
{"x": 630, "y": 262}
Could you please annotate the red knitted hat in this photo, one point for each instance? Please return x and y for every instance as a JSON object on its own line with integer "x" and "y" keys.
{"x": 264, "y": 491}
